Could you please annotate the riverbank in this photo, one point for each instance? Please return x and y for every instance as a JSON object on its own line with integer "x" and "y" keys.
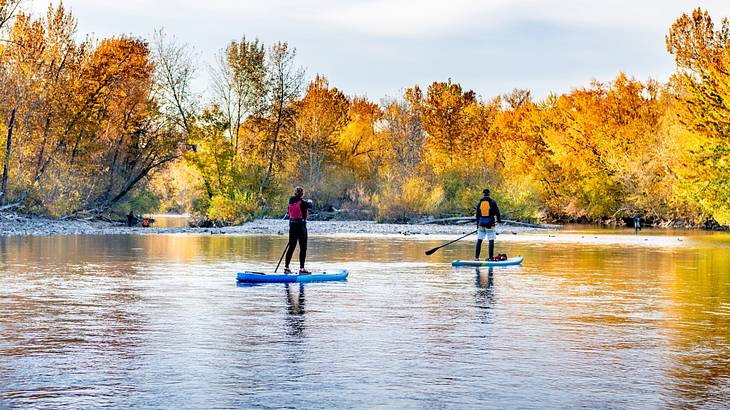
{"x": 23, "y": 225}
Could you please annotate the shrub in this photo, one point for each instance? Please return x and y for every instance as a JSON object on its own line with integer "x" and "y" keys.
{"x": 409, "y": 199}
{"x": 520, "y": 199}
{"x": 227, "y": 210}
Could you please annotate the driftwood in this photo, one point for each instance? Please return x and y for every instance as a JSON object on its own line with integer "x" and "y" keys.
{"x": 458, "y": 220}
{"x": 525, "y": 224}
{"x": 463, "y": 220}
{"x": 17, "y": 205}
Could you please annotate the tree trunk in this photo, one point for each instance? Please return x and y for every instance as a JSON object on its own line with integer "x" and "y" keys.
{"x": 131, "y": 183}
{"x": 113, "y": 167}
{"x": 39, "y": 165}
{"x": 269, "y": 168}
{"x": 6, "y": 166}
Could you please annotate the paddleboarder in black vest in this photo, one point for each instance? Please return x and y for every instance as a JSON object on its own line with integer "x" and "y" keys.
{"x": 298, "y": 211}
{"x": 487, "y": 215}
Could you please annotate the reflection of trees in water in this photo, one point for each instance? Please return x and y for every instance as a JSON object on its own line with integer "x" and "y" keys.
{"x": 74, "y": 294}
{"x": 66, "y": 298}
{"x": 699, "y": 329}
{"x": 62, "y": 305}
{"x": 688, "y": 287}
{"x": 295, "y": 310}
{"x": 191, "y": 248}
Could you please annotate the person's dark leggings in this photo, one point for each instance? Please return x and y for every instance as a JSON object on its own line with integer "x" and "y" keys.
{"x": 297, "y": 233}
{"x": 479, "y": 244}
{"x": 479, "y": 249}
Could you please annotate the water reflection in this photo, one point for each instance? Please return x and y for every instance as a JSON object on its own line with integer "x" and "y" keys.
{"x": 484, "y": 294}
{"x": 698, "y": 328}
{"x": 485, "y": 287}
{"x": 485, "y": 278}
{"x": 295, "y": 309}
{"x": 583, "y": 326}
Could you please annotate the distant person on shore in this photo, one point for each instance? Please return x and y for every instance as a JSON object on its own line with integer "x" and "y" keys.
{"x": 298, "y": 211}
{"x": 131, "y": 219}
{"x": 637, "y": 224}
{"x": 487, "y": 216}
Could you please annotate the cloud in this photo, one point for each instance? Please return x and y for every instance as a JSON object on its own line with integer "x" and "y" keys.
{"x": 409, "y": 18}
{"x": 414, "y": 18}
{"x": 428, "y": 18}
{"x": 379, "y": 46}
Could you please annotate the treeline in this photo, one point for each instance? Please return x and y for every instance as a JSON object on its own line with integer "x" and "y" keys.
{"x": 81, "y": 122}
{"x": 85, "y": 125}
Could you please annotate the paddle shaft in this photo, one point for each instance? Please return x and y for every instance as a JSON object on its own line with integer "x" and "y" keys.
{"x": 282, "y": 257}
{"x": 449, "y": 243}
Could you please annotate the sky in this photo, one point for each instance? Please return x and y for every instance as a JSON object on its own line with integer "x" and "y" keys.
{"x": 377, "y": 48}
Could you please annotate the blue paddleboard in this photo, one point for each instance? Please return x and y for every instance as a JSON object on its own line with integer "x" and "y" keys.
{"x": 256, "y": 277}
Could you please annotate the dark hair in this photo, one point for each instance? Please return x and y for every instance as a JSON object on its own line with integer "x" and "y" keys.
{"x": 486, "y": 191}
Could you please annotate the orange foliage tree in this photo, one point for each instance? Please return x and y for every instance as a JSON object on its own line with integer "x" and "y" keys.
{"x": 81, "y": 126}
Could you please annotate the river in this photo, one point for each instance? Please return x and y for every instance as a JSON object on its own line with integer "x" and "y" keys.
{"x": 158, "y": 321}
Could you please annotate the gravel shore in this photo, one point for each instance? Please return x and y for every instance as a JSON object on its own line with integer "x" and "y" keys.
{"x": 19, "y": 225}
{"x": 12, "y": 225}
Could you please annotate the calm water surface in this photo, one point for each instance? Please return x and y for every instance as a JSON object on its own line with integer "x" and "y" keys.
{"x": 158, "y": 321}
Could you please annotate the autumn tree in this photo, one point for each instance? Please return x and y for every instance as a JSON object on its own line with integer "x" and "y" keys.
{"x": 84, "y": 123}
{"x": 401, "y": 193}
{"x": 8, "y": 8}
{"x": 284, "y": 82}
{"x": 239, "y": 83}
{"x": 359, "y": 148}
{"x": 141, "y": 138}
{"x": 321, "y": 116}
{"x": 702, "y": 55}
{"x": 174, "y": 71}
{"x": 82, "y": 128}
{"x": 403, "y": 133}
{"x": 25, "y": 60}
{"x": 444, "y": 119}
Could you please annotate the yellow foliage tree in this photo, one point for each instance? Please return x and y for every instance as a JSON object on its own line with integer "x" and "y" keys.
{"x": 702, "y": 55}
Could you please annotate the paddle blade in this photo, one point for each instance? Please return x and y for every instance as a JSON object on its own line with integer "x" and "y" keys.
{"x": 432, "y": 251}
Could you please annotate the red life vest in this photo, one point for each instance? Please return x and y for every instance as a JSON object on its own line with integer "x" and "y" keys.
{"x": 295, "y": 210}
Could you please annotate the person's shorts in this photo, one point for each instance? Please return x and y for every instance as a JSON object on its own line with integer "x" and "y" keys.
{"x": 489, "y": 233}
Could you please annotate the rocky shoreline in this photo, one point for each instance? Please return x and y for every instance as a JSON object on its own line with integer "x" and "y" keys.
{"x": 23, "y": 225}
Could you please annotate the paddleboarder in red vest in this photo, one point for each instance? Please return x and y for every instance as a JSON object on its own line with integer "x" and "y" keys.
{"x": 487, "y": 216}
{"x": 298, "y": 211}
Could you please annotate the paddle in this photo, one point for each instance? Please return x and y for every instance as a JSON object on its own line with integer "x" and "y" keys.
{"x": 430, "y": 252}
{"x": 282, "y": 257}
